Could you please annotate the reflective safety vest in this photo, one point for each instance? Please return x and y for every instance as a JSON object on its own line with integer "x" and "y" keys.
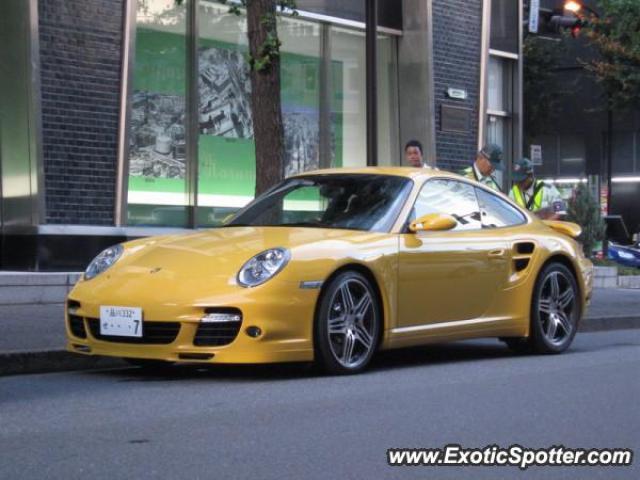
{"x": 489, "y": 181}
{"x": 535, "y": 201}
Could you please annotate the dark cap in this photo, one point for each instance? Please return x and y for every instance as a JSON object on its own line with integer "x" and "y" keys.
{"x": 522, "y": 169}
{"x": 493, "y": 153}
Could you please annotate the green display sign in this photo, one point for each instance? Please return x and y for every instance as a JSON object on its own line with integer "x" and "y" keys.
{"x": 226, "y": 150}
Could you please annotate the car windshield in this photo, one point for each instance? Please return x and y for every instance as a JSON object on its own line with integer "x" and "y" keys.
{"x": 349, "y": 201}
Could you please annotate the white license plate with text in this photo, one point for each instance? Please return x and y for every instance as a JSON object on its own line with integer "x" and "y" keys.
{"x": 121, "y": 321}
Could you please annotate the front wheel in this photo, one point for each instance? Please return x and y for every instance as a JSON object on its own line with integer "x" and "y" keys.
{"x": 347, "y": 324}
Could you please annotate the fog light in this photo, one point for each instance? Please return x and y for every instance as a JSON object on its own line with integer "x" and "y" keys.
{"x": 220, "y": 318}
{"x": 253, "y": 332}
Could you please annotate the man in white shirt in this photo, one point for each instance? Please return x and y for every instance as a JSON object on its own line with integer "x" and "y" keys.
{"x": 413, "y": 154}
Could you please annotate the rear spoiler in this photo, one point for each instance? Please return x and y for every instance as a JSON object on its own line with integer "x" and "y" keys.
{"x": 570, "y": 229}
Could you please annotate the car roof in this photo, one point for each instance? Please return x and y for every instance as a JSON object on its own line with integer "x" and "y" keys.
{"x": 409, "y": 172}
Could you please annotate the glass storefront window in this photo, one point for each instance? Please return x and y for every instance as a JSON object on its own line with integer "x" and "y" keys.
{"x": 572, "y": 155}
{"x": 388, "y": 134}
{"x": 226, "y": 148}
{"x": 348, "y": 111}
{"x": 323, "y": 89}
{"x": 226, "y": 151}
{"x": 300, "y": 93}
{"x": 623, "y": 152}
{"x": 157, "y": 192}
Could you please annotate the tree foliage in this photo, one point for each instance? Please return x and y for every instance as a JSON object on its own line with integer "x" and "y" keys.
{"x": 584, "y": 210}
{"x": 616, "y": 36}
{"x": 270, "y": 48}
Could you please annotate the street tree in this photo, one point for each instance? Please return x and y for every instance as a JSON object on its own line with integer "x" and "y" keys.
{"x": 584, "y": 210}
{"x": 615, "y": 34}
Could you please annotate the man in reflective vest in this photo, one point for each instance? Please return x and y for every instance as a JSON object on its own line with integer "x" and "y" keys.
{"x": 532, "y": 194}
{"x": 488, "y": 160}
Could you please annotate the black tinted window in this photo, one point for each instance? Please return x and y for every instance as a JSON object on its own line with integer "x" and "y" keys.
{"x": 349, "y": 201}
{"x": 496, "y": 212}
{"x": 450, "y": 197}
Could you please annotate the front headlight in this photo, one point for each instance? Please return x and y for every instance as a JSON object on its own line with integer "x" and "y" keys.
{"x": 263, "y": 266}
{"x": 103, "y": 261}
{"x": 626, "y": 255}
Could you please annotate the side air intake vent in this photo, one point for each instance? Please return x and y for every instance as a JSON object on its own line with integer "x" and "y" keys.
{"x": 522, "y": 253}
{"x": 520, "y": 264}
{"x": 525, "y": 248}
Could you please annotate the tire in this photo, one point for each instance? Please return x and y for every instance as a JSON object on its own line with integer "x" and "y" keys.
{"x": 346, "y": 342}
{"x": 148, "y": 364}
{"x": 555, "y": 313}
{"x": 564, "y": 303}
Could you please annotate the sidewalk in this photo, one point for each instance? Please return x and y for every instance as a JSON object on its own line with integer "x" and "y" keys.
{"x": 32, "y": 337}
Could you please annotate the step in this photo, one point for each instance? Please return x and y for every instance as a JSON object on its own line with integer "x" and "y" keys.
{"x": 629, "y": 281}
{"x": 28, "y": 288}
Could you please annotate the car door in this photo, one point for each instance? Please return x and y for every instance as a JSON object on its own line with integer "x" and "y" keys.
{"x": 452, "y": 275}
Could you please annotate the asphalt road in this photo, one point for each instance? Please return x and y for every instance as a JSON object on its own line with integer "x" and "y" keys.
{"x": 285, "y": 422}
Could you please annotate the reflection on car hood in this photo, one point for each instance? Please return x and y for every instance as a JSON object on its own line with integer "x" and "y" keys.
{"x": 225, "y": 250}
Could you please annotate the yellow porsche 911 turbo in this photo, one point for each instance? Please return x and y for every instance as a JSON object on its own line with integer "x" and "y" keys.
{"x": 332, "y": 266}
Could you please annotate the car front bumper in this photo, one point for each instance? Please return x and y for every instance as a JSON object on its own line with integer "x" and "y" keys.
{"x": 174, "y": 333}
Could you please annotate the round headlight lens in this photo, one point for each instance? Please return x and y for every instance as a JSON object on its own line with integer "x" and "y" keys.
{"x": 103, "y": 261}
{"x": 263, "y": 266}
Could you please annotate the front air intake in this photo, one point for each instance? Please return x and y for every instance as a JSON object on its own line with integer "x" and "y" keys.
{"x": 218, "y": 327}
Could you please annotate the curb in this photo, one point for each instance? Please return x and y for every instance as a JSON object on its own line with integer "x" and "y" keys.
{"x": 19, "y": 363}
{"x": 602, "y": 324}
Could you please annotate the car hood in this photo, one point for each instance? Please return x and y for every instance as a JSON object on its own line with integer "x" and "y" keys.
{"x": 227, "y": 249}
{"x": 180, "y": 265}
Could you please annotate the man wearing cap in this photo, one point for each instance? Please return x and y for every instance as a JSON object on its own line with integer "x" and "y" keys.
{"x": 532, "y": 194}
{"x": 488, "y": 160}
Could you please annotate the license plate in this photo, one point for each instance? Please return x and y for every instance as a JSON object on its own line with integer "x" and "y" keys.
{"x": 121, "y": 321}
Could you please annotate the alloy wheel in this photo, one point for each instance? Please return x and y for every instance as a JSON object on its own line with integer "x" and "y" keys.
{"x": 352, "y": 323}
{"x": 556, "y": 307}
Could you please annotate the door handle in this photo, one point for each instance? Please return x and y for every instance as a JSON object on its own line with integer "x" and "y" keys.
{"x": 498, "y": 253}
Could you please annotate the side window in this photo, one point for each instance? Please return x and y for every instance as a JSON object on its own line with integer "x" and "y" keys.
{"x": 496, "y": 212}
{"x": 451, "y": 197}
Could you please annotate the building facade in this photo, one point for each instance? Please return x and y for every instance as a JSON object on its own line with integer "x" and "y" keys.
{"x": 574, "y": 143}
{"x": 127, "y": 118}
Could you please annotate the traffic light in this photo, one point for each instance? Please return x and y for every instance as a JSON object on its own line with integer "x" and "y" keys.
{"x": 553, "y": 22}
{"x": 558, "y": 23}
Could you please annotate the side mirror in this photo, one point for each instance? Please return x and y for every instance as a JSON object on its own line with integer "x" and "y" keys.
{"x": 433, "y": 222}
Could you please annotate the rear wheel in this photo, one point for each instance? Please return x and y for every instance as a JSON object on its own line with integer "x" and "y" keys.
{"x": 555, "y": 312}
{"x": 347, "y": 325}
